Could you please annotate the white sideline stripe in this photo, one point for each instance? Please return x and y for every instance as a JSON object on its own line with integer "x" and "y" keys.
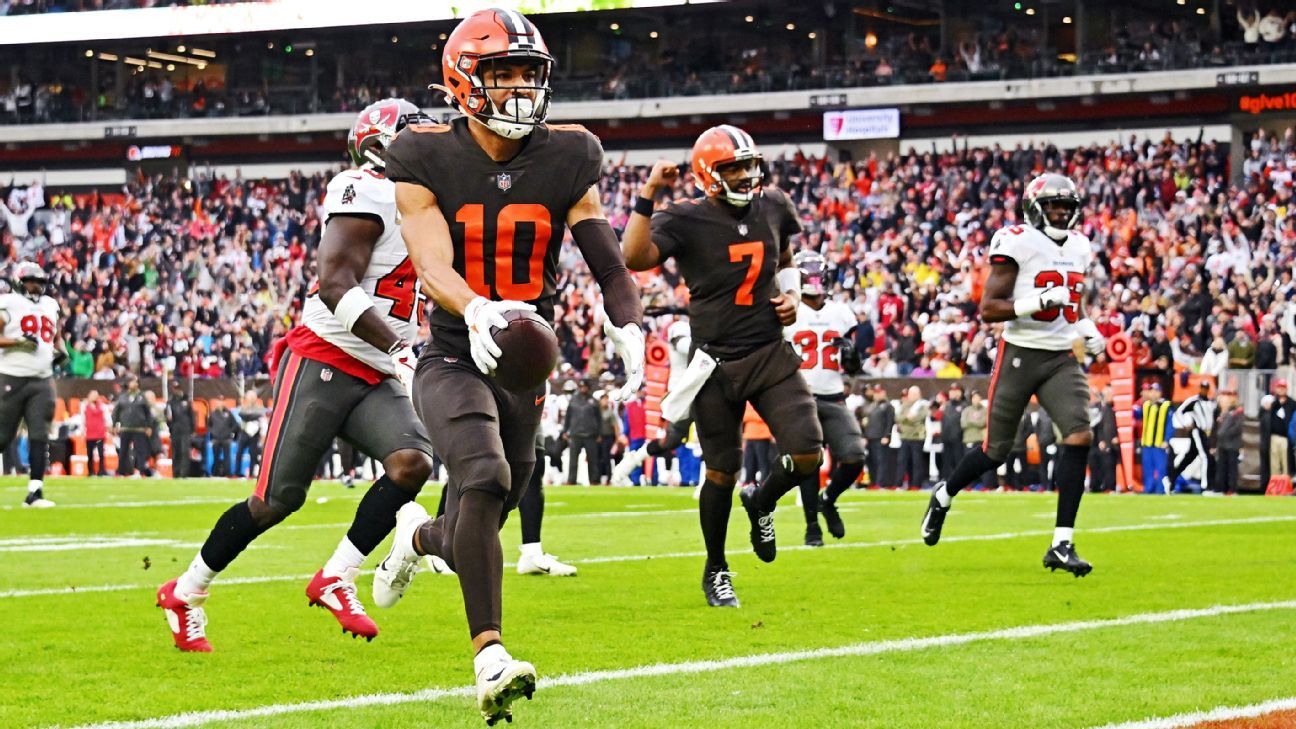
{"x": 198, "y": 718}
{"x": 676, "y": 555}
{"x": 134, "y": 504}
{"x": 80, "y": 545}
{"x": 1221, "y": 713}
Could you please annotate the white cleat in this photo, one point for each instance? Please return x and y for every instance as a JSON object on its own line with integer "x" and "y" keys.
{"x": 433, "y": 563}
{"x": 543, "y": 564}
{"x": 632, "y": 460}
{"x": 501, "y": 683}
{"x": 395, "y": 573}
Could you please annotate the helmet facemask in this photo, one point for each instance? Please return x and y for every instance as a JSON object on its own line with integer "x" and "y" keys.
{"x": 33, "y": 288}
{"x": 521, "y": 112}
{"x": 739, "y": 180}
{"x": 813, "y": 269}
{"x": 1044, "y": 196}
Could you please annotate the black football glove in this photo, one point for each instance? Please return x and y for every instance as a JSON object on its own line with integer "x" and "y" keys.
{"x": 849, "y": 358}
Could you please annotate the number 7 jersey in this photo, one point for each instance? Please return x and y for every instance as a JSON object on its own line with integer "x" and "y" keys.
{"x": 507, "y": 219}
{"x": 22, "y": 317}
{"x": 1041, "y": 265}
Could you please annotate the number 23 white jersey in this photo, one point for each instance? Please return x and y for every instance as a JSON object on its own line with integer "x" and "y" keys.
{"x": 390, "y": 279}
{"x": 1041, "y": 265}
{"x": 813, "y": 334}
{"x": 38, "y": 318}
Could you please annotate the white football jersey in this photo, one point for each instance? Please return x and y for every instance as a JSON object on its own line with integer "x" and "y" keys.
{"x": 1043, "y": 264}
{"x": 23, "y": 316}
{"x": 680, "y": 339}
{"x": 390, "y": 279}
{"x": 812, "y": 334}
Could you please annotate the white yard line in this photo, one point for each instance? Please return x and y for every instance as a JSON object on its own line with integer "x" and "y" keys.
{"x": 1221, "y": 713}
{"x": 78, "y": 544}
{"x": 198, "y": 718}
{"x": 679, "y": 555}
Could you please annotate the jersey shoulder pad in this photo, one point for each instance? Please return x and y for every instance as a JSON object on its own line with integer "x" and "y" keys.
{"x": 359, "y": 191}
{"x": 1012, "y": 243}
{"x": 579, "y": 137}
{"x": 408, "y": 155}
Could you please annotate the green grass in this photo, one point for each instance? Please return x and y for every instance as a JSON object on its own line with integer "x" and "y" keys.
{"x": 96, "y": 656}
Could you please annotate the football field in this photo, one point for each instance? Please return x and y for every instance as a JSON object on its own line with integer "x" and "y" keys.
{"x": 1190, "y": 608}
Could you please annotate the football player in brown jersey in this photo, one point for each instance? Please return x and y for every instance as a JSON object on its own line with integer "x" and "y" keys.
{"x": 484, "y": 202}
{"x": 734, "y": 250}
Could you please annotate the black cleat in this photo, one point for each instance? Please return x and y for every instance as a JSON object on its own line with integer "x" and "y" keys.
{"x": 762, "y": 526}
{"x": 814, "y": 535}
{"x": 831, "y": 517}
{"x": 717, "y": 583}
{"x": 1063, "y": 556}
{"x": 934, "y": 519}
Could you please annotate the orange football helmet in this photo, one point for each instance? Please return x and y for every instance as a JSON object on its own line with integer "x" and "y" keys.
{"x": 487, "y": 37}
{"x": 723, "y": 146}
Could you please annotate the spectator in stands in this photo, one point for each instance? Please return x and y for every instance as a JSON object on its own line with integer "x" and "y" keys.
{"x": 911, "y": 418}
{"x": 94, "y": 413}
{"x": 974, "y": 419}
{"x": 180, "y": 423}
{"x": 877, "y": 421}
{"x": 636, "y": 430}
{"x": 1242, "y": 352}
{"x": 609, "y": 433}
{"x": 1275, "y": 423}
{"x": 1103, "y": 456}
{"x": 134, "y": 424}
{"x": 581, "y": 433}
{"x": 951, "y": 430}
{"x": 250, "y": 415}
{"x": 1215, "y": 360}
{"x": 1228, "y": 443}
{"x": 222, "y": 428}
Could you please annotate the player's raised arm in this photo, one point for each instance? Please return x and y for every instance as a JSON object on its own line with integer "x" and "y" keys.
{"x": 343, "y": 257}
{"x": 598, "y": 244}
{"x": 427, "y": 238}
{"x": 641, "y": 253}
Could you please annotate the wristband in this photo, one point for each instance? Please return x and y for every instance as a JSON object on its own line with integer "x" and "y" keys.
{"x": 643, "y": 206}
{"x": 352, "y": 304}
{"x": 1026, "y": 307}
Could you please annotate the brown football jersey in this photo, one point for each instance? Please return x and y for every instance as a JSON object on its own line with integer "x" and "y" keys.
{"x": 728, "y": 257}
{"x": 507, "y": 219}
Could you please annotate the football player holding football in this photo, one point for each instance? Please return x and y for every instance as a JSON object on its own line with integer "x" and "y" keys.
{"x": 485, "y": 202}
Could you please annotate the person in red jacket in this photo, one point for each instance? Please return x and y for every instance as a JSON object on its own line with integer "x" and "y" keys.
{"x": 95, "y": 414}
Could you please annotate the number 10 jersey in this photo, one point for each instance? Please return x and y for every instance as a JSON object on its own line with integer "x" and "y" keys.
{"x": 507, "y": 219}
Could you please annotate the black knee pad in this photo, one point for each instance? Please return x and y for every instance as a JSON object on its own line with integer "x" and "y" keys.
{"x": 727, "y": 461}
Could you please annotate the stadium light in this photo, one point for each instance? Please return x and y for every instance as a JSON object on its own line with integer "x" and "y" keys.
{"x": 202, "y": 52}
{"x": 791, "y": 26}
{"x": 749, "y": 19}
{"x": 615, "y": 26}
{"x": 870, "y": 40}
{"x": 108, "y": 57}
{"x": 170, "y": 66}
{"x": 1030, "y": 11}
{"x": 811, "y": 35}
{"x": 1201, "y": 11}
{"x": 652, "y": 34}
{"x": 270, "y": 46}
{"x": 180, "y": 49}
{"x": 89, "y": 53}
{"x": 310, "y": 51}
{"x": 395, "y": 39}
{"x": 1066, "y": 20}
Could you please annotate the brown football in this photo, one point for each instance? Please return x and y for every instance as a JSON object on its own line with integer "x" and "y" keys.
{"x": 530, "y": 351}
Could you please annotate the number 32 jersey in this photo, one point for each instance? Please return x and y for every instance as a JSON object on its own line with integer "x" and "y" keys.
{"x": 390, "y": 279}
{"x": 22, "y": 316}
{"x": 507, "y": 219}
{"x": 814, "y": 336}
{"x": 1041, "y": 265}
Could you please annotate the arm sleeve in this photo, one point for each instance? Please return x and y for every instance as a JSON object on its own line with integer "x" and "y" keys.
{"x": 598, "y": 244}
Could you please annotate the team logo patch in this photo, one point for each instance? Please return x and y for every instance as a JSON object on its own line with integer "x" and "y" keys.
{"x": 1016, "y": 362}
{"x": 742, "y": 229}
{"x": 348, "y": 195}
{"x": 326, "y": 374}
{"x": 504, "y": 181}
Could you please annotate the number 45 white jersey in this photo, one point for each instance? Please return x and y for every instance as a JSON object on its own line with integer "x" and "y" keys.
{"x": 813, "y": 334}
{"x": 22, "y": 316}
{"x": 1041, "y": 265}
{"x": 390, "y": 279}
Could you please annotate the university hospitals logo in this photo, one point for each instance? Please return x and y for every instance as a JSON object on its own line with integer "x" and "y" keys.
{"x": 504, "y": 181}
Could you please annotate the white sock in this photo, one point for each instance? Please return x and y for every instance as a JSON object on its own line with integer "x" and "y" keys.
{"x": 344, "y": 558}
{"x": 942, "y": 496}
{"x": 1062, "y": 534}
{"x": 33, "y": 486}
{"x": 489, "y": 656}
{"x": 195, "y": 579}
{"x": 532, "y": 550}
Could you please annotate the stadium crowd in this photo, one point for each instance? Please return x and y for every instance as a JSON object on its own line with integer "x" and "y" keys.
{"x": 198, "y": 277}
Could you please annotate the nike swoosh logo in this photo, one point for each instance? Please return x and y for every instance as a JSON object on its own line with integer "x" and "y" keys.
{"x": 544, "y": 570}
{"x": 1059, "y": 555}
{"x": 496, "y": 676}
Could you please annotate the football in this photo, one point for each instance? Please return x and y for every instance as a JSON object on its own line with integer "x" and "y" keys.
{"x": 530, "y": 351}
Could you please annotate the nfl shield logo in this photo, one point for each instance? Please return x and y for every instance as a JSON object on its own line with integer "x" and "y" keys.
{"x": 326, "y": 374}
{"x": 504, "y": 181}
{"x": 742, "y": 229}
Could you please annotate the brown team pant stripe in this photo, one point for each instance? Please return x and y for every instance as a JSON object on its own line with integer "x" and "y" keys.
{"x": 286, "y": 387}
{"x": 994, "y": 380}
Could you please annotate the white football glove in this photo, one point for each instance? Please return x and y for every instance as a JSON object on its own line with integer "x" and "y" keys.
{"x": 480, "y": 315}
{"x": 1056, "y": 296}
{"x": 628, "y": 344}
{"x": 1095, "y": 343}
{"x": 403, "y": 361}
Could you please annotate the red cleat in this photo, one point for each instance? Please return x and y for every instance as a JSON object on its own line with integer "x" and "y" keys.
{"x": 186, "y": 617}
{"x": 338, "y": 595}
